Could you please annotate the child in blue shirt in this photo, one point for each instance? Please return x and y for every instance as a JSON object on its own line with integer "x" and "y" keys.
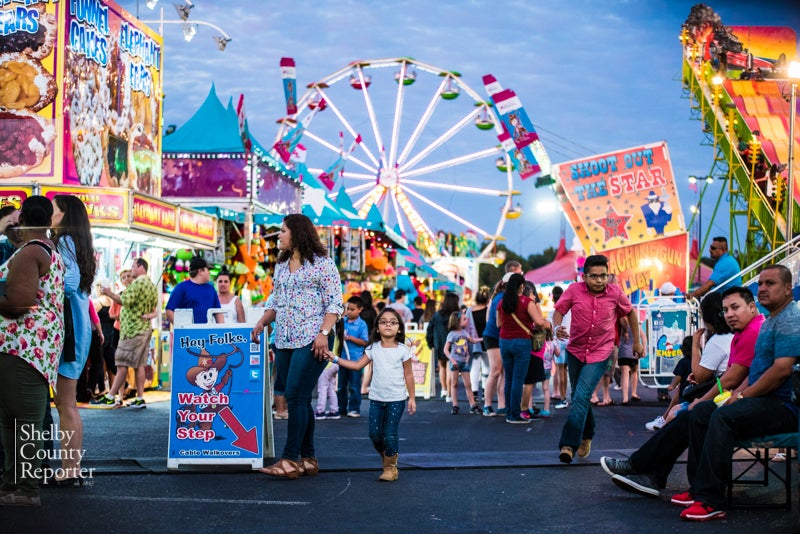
{"x": 355, "y": 336}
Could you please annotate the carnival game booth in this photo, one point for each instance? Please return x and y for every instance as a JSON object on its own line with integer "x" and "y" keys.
{"x": 128, "y": 225}
{"x": 80, "y": 96}
{"x": 80, "y": 114}
{"x": 213, "y": 163}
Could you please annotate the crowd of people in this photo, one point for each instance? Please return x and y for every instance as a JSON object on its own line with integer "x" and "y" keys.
{"x": 501, "y": 348}
{"x": 515, "y": 346}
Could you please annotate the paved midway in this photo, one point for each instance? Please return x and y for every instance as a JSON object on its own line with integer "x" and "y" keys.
{"x": 463, "y": 473}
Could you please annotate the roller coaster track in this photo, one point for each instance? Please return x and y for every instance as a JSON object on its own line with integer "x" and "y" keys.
{"x": 729, "y": 118}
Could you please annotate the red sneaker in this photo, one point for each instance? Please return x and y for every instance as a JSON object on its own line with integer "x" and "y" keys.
{"x": 683, "y": 499}
{"x": 702, "y": 512}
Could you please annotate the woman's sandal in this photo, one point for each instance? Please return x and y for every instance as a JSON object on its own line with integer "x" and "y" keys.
{"x": 283, "y": 468}
{"x": 635, "y": 398}
{"x": 308, "y": 467}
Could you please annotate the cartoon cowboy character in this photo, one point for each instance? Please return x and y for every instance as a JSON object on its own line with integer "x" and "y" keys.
{"x": 204, "y": 375}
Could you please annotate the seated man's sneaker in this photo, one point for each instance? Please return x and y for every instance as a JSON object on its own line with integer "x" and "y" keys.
{"x": 640, "y": 484}
{"x": 612, "y": 466}
{"x": 683, "y": 499}
{"x": 702, "y": 512}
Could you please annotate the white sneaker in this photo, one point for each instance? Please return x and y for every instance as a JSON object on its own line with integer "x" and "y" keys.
{"x": 562, "y": 404}
{"x": 448, "y": 399}
{"x": 655, "y": 424}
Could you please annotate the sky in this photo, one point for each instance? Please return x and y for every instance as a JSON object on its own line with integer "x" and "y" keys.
{"x": 594, "y": 76}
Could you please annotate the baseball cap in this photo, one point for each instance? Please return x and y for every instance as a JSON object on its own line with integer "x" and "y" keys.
{"x": 668, "y": 288}
{"x": 197, "y": 263}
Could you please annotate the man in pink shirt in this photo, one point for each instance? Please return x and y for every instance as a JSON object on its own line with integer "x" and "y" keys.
{"x": 595, "y": 307}
{"x": 648, "y": 468}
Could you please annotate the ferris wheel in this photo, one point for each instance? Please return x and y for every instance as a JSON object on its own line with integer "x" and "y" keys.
{"x": 416, "y": 142}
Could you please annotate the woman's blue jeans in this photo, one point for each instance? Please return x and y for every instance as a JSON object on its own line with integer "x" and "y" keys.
{"x": 516, "y": 354}
{"x": 384, "y": 418}
{"x": 299, "y": 370}
{"x": 583, "y": 378}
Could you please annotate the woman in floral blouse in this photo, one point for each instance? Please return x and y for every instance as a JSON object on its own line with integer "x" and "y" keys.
{"x": 304, "y": 305}
{"x": 31, "y": 340}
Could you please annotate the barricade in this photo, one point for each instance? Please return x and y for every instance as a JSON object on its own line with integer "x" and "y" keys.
{"x": 665, "y": 322}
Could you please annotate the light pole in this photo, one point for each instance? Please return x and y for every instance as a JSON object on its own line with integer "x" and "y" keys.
{"x": 189, "y": 27}
{"x": 697, "y": 210}
{"x": 794, "y": 75}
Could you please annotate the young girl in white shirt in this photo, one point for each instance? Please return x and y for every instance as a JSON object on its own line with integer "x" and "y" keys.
{"x": 392, "y": 382}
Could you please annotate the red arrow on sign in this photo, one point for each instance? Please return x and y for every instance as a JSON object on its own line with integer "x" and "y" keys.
{"x": 245, "y": 439}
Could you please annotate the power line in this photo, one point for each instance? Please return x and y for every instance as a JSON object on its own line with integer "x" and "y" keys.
{"x": 542, "y": 128}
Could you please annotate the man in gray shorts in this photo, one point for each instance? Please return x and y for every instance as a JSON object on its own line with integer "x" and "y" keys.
{"x": 138, "y": 306}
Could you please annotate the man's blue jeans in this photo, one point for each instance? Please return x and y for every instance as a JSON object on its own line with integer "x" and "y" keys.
{"x": 299, "y": 370}
{"x": 583, "y": 378}
{"x": 516, "y": 354}
{"x": 384, "y": 418}
{"x": 349, "y": 392}
{"x": 713, "y": 433}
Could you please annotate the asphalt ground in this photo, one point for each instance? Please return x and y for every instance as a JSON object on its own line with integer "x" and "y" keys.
{"x": 464, "y": 473}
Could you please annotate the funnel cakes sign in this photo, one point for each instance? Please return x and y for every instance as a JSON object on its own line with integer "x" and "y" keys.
{"x": 28, "y": 107}
{"x": 82, "y": 81}
{"x": 112, "y": 73}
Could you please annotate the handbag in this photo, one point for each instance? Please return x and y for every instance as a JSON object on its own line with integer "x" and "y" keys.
{"x": 537, "y": 336}
{"x": 695, "y": 391}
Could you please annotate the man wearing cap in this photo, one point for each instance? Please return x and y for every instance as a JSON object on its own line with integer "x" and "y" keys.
{"x": 725, "y": 267}
{"x": 196, "y": 294}
{"x": 657, "y": 214}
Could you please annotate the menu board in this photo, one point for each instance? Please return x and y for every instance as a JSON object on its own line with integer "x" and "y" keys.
{"x": 80, "y": 94}
{"x": 29, "y": 58}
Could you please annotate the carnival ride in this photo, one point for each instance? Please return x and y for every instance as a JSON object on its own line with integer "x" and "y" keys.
{"x": 418, "y": 138}
{"x": 745, "y": 115}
